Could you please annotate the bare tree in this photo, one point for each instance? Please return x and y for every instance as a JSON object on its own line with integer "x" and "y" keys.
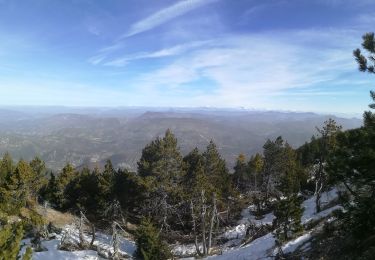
{"x": 208, "y": 219}
{"x": 115, "y": 241}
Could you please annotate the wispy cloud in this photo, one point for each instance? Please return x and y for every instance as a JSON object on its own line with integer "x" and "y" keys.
{"x": 166, "y": 52}
{"x": 165, "y": 15}
{"x": 246, "y": 70}
{"x": 95, "y": 60}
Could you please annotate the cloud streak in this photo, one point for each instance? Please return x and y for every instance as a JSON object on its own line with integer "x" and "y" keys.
{"x": 165, "y": 15}
{"x": 166, "y": 52}
{"x": 248, "y": 70}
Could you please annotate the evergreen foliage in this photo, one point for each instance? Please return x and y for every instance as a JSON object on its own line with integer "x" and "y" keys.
{"x": 353, "y": 164}
{"x": 241, "y": 176}
{"x": 368, "y": 45}
{"x": 10, "y": 239}
{"x": 161, "y": 169}
{"x": 216, "y": 171}
{"x": 28, "y": 254}
{"x": 288, "y": 211}
{"x": 255, "y": 167}
{"x": 149, "y": 244}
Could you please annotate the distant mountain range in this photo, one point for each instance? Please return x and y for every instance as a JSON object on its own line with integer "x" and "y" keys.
{"x": 89, "y": 136}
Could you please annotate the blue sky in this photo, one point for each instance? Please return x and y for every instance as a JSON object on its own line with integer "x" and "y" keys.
{"x": 272, "y": 54}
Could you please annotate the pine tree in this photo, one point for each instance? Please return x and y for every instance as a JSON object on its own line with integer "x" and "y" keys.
{"x": 28, "y": 254}
{"x": 241, "y": 178}
{"x": 255, "y": 167}
{"x": 327, "y": 144}
{"x": 161, "y": 168}
{"x": 149, "y": 244}
{"x": 216, "y": 171}
{"x": 10, "y": 239}
{"x": 18, "y": 189}
{"x": 353, "y": 165}
{"x": 39, "y": 176}
{"x": 288, "y": 211}
{"x": 66, "y": 176}
{"x": 6, "y": 167}
{"x": 162, "y": 160}
{"x": 272, "y": 166}
{"x": 50, "y": 190}
{"x": 129, "y": 190}
{"x": 105, "y": 185}
{"x": 369, "y": 46}
{"x": 195, "y": 178}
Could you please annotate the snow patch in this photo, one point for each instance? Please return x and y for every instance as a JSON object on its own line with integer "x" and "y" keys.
{"x": 258, "y": 249}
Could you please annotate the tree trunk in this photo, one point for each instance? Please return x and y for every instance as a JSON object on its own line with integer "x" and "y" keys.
{"x": 81, "y": 237}
{"x": 114, "y": 242}
{"x": 319, "y": 185}
{"x": 194, "y": 228}
{"x": 213, "y": 216}
{"x": 203, "y": 223}
{"x": 93, "y": 235}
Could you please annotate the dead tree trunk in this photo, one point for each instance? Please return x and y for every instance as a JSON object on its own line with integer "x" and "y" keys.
{"x": 93, "y": 235}
{"x": 212, "y": 222}
{"x": 194, "y": 228}
{"x": 115, "y": 242}
{"x": 80, "y": 227}
{"x": 319, "y": 181}
{"x": 207, "y": 229}
{"x": 203, "y": 222}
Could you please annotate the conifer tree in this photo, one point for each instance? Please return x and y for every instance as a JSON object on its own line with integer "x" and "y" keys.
{"x": 353, "y": 165}
{"x": 161, "y": 167}
{"x": 272, "y": 166}
{"x": 129, "y": 190}
{"x": 216, "y": 171}
{"x": 28, "y": 254}
{"x": 66, "y": 176}
{"x": 105, "y": 185}
{"x": 18, "y": 189}
{"x": 149, "y": 244}
{"x": 241, "y": 178}
{"x": 327, "y": 144}
{"x": 369, "y": 46}
{"x": 255, "y": 167}
{"x": 6, "y": 167}
{"x": 288, "y": 211}
{"x": 162, "y": 160}
{"x": 195, "y": 179}
{"x": 10, "y": 239}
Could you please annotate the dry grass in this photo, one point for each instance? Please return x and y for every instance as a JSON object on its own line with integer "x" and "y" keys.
{"x": 57, "y": 218}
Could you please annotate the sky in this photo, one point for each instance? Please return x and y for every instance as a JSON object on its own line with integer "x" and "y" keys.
{"x": 293, "y": 55}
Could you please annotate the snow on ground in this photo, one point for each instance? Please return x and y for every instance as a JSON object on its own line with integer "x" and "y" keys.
{"x": 291, "y": 246}
{"x": 103, "y": 241}
{"x": 264, "y": 247}
{"x": 258, "y": 249}
{"x": 261, "y": 248}
{"x": 55, "y": 254}
{"x": 238, "y": 232}
{"x": 184, "y": 250}
{"x": 310, "y": 214}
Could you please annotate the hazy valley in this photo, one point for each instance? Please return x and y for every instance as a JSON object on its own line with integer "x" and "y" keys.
{"x": 91, "y": 136}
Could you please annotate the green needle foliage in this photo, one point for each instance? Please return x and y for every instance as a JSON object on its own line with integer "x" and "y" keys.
{"x": 149, "y": 244}
{"x": 10, "y": 238}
